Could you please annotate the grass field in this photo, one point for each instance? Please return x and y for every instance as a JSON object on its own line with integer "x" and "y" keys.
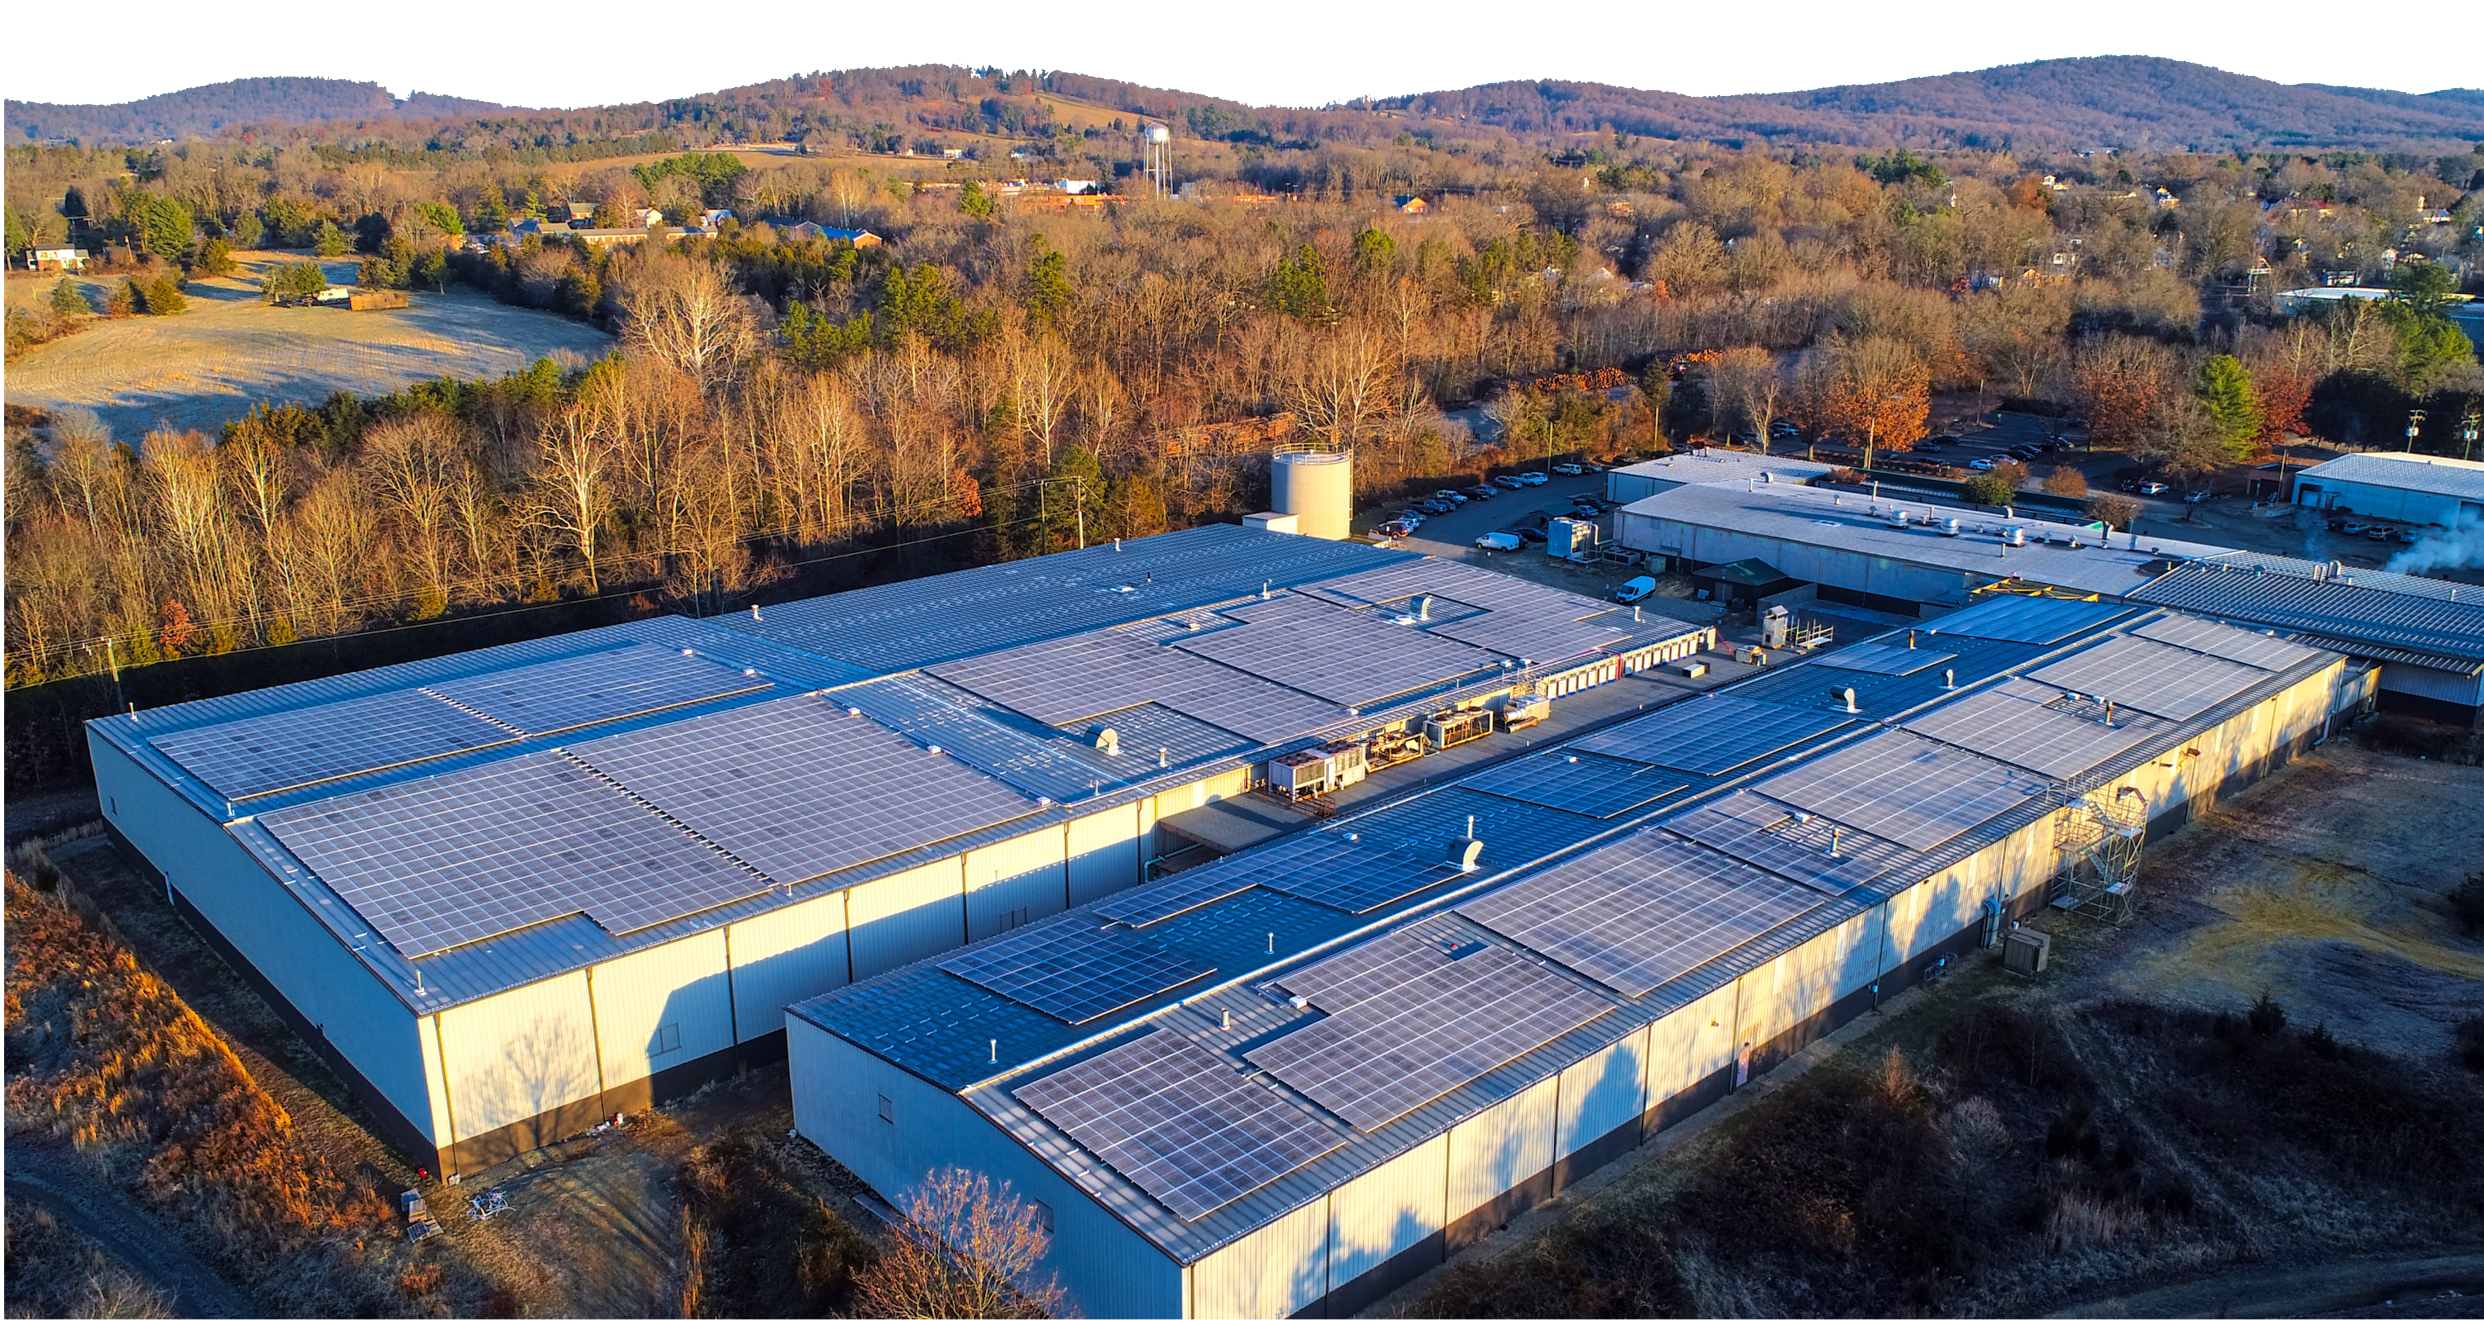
{"x": 230, "y": 351}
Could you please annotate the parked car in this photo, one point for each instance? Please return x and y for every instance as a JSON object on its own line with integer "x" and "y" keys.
{"x": 2406, "y": 536}
{"x": 1637, "y": 588}
{"x": 1585, "y": 510}
{"x": 2353, "y": 528}
{"x": 1392, "y": 530}
{"x": 2195, "y": 497}
{"x": 1532, "y": 535}
{"x": 1983, "y": 464}
{"x": 1934, "y": 445}
{"x": 1509, "y": 483}
{"x": 1435, "y": 507}
{"x": 1449, "y": 497}
{"x": 2127, "y": 486}
{"x": 1570, "y": 469}
{"x": 1410, "y": 518}
{"x": 1498, "y": 541}
{"x": 1533, "y": 478}
{"x": 2153, "y": 488}
{"x": 2381, "y": 534}
{"x": 1481, "y": 492}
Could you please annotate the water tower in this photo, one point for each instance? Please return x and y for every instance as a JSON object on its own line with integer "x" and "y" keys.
{"x": 1318, "y": 489}
{"x": 1158, "y": 143}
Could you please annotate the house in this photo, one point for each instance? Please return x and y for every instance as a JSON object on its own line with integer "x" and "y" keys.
{"x": 953, "y": 153}
{"x": 861, "y": 238}
{"x": 56, "y": 257}
{"x": 1080, "y": 187}
{"x": 713, "y": 216}
{"x": 1410, "y": 205}
{"x": 646, "y": 215}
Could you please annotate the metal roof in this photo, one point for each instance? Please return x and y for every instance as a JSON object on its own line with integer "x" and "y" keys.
{"x": 2430, "y": 474}
{"x": 2342, "y": 607}
{"x": 948, "y": 1030}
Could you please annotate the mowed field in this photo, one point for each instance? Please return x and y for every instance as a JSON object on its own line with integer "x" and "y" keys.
{"x": 229, "y": 351}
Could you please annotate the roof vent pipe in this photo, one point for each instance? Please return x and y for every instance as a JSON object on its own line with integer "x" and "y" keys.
{"x": 1849, "y": 696}
{"x": 1263, "y": 588}
{"x": 1949, "y": 680}
{"x": 1423, "y": 607}
{"x": 1836, "y": 836}
{"x": 1463, "y": 855}
{"x": 754, "y": 614}
{"x": 1634, "y": 610}
{"x": 1116, "y": 545}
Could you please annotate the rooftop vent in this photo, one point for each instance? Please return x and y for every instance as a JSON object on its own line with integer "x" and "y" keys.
{"x": 1108, "y": 741}
{"x": 1464, "y": 854}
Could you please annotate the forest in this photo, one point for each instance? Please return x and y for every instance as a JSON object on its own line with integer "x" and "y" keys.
{"x": 1002, "y": 376}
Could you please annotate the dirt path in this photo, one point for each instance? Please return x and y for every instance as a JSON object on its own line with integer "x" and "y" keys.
{"x": 2406, "y": 1286}
{"x": 97, "y": 1212}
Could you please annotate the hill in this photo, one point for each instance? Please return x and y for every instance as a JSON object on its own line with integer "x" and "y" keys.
{"x": 206, "y": 111}
{"x": 2127, "y": 102}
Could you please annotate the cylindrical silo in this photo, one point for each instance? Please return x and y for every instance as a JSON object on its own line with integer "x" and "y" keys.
{"x": 1318, "y": 489}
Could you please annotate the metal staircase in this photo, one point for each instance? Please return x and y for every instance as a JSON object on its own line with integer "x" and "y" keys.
{"x": 2098, "y": 834}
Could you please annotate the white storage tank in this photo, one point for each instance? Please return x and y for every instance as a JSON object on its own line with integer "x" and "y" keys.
{"x": 1318, "y": 489}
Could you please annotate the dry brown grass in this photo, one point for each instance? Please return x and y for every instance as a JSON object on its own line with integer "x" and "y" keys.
{"x": 757, "y": 1238}
{"x": 53, "y": 1270}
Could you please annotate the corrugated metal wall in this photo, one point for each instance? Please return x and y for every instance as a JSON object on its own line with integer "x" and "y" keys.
{"x": 1104, "y": 851}
{"x": 1691, "y": 1044}
{"x": 1278, "y": 1270}
{"x": 1015, "y": 881}
{"x": 783, "y": 957}
{"x": 906, "y": 917}
{"x": 1501, "y": 1148}
{"x": 1600, "y": 1093}
{"x": 1387, "y": 1211}
{"x": 254, "y": 912}
{"x": 662, "y": 1007}
{"x": 514, "y": 1056}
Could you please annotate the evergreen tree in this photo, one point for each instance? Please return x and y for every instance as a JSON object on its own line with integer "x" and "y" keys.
{"x": 1048, "y": 290}
{"x": 328, "y": 240}
{"x": 68, "y": 299}
{"x": 2224, "y": 391}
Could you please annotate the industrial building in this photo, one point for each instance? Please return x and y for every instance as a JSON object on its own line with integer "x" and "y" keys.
{"x": 1699, "y": 467}
{"x": 1913, "y": 558}
{"x": 513, "y": 892}
{"x": 2407, "y": 488}
{"x": 1289, "y": 1080}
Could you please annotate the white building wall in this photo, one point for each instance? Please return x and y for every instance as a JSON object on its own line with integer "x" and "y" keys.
{"x": 1387, "y": 1210}
{"x": 1104, "y": 853}
{"x": 263, "y": 919}
{"x": 519, "y": 1055}
{"x": 784, "y": 957}
{"x": 902, "y": 918}
{"x": 1015, "y": 881}
{"x": 1600, "y": 1093}
{"x": 1276, "y": 1271}
{"x": 1108, "y": 1268}
{"x": 1691, "y": 1043}
{"x": 1501, "y": 1147}
{"x": 662, "y": 1007}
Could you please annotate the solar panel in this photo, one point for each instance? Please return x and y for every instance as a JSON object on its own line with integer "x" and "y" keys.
{"x": 2227, "y": 642}
{"x": 1179, "y": 1122}
{"x": 1319, "y": 866}
{"x": 2159, "y": 679}
{"x": 1710, "y": 735}
{"x": 572, "y": 693}
{"x": 1641, "y": 911}
{"x": 1883, "y": 658}
{"x": 1174, "y": 895}
{"x": 798, "y": 788}
{"x": 1074, "y": 970}
{"x": 443, "y": 862}
{"x": 1817, "y": 853}
{"x": 1905, "y": 788}
{"x": 1376, "y": 966}
{"x": 1409, "y": 1045}
{"x": 1599, "y": 786}
{"x": 1349, "y": 657}
{"x": 294, "y": 748}
{"x": 2020, "y": 722}
{"x": 1074, "y": 679}
{"x": 2035, "y": 619}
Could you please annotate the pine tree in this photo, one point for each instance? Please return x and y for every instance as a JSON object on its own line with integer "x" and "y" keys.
{"x": 2224, "y": 390}
{"x": 68, "y": 299}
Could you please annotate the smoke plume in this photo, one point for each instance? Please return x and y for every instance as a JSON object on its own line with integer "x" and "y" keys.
{"x": 2461, "y": 546}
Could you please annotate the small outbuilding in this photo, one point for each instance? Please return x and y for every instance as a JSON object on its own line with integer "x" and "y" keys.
{"x": 2407, "y": 488}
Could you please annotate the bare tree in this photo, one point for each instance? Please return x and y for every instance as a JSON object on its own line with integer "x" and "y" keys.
{"x": 1747, "y": 388}
{"x": 573, "y": 488}
{"x": 687, "y": 315}
{"x": 415, "y": 467}
{"x": 965, "y": 1249}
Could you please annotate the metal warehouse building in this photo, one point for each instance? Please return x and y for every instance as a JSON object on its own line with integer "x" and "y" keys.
{"x": 2408, "y": 488}
{"x": 1288, "y": 1080}
{"x": 1911, "y": 558}
{"x": 512, "y": 892}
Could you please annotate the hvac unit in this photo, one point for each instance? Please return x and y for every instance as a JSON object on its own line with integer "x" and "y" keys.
{"x": 1451, "y": 727}
{"x": 2026, "y": 951}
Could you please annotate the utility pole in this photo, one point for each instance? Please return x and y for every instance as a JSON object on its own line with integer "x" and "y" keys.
{"x": 2466, "y": 432}
{"x": 2414, "y": 423}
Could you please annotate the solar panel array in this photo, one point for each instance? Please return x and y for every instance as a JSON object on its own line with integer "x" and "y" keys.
{"x": 1710, "y": 735}
{"x": 1319, "y": 866}
{"x": 1374, "y": 967}
{"x": 2020, "y": 722}
{"x": 2226, "y": 642}
{"x": 1073, "y": 970}
{"x": 1070, "y": 680}
{"x": 2159, "y": 679}
{"x": 572, "y": 693}
{"x": 1599, "y": 786}
{"x": 1349, "y": 657}
{"x": 1905, "y": 788}
{"x": 1404, "y": 1046}
{"x": 1883, "y": 658}
{"x": 1179, "y": 1122}
{"x": 1642, "y": 911}
{"x": 1499, "y": 612}
{"x": 291, "y": 749}
{"x": 955, "y": 721}
{"x": 2035, "y": 619}
{"x": 1816, "y": 853}
{"x": 443, "y": 862}
{"x": 800, "y": 789}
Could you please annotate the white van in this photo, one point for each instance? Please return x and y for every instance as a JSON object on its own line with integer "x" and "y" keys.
{"x": 1637, "y": 588}
{"x": 1498, "y": 541}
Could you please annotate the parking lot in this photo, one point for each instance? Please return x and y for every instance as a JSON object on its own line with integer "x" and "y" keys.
{"x": 1452, "y": 536}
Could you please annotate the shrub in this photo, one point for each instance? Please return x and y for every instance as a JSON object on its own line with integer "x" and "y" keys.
{"x": 2065, "y": 482}
{"x": 2114, "y": 511}
{"x": 1990, "y": 488}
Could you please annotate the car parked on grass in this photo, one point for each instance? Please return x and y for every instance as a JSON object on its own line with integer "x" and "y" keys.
{"x": 1570, "y": 469}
